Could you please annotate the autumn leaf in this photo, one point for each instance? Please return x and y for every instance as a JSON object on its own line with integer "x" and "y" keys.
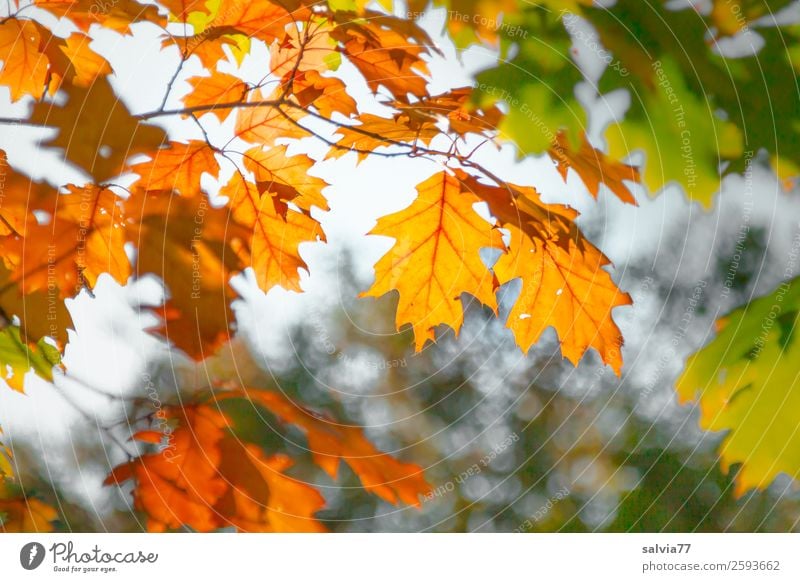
{"x": 84, "y": 239}
{"x": 178, "y": 167}
{"x": 205, "y": 479}
{"x": 287, "y": 178}
{"x": 264, "y": 124}
{"x": 208, "y": 46}
{"x": 215, "y": 90}
{"x": 179, "y": 486}
{"x": 35, "y": 61}
{"x": 20, "y": 513}
{"x": 330, "y": 443}
{"x": 190, "y": 246}
{"x": 116, "y": 15}
{"x": 435, "y": 258}
{"x": 564, "y": 288}
{"x": 73, "y": 60}
{"x": 594, "y": 168}
{"x": 264, "y": 498}
{"x": 302, "y": 50}
{"x": 40, "y": 314}
{"x": 273, "y": 252}
{"x": 327, "y": 95}
{"x": 463, "y": 117}
{"x": 24, "y": 69}
{"x": 374, "y": 132}
{"x": 746, "y": 383}
{"x": 259, "y": 19}
{"x": 95, "y": 129}
{"x": 384, "y": 57}
{"x": 564, "y": 281}
{"x": 18, "y": 357}
{"x": 181, "y": 9}
{"x": 19, "y": 194}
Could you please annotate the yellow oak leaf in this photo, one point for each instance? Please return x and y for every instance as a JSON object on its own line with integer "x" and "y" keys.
{"x": 435, "y": 257}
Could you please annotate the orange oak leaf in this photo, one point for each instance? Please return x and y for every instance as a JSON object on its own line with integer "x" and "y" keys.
{"x": 84, "y": 238}
{"x": 330, "y": 443}
{"x": 594, "y": 168}
{"x": 96, "y": 130}
{"x": 436, "y": 257}
{"x": 373, "y": 132}
{"x": 455, "y": 107}
{"x": 265, "y": 124}
{"x": 287, "y": 178}
{"x": 328, "y": 95}
{"x": 206, "y": 479}
{"x": 36, "y": 60}
{"x": 218, "y": 89}
{"x": 24, "y": 69}
{"x": 273, "y": 251}
{"x": 191, "y": 246}
{"x": 521, "y": 206}
{"x": 566, "y": 288}
{"x": 177, "y": 167}
{"x": 73, "y": 60}
{"x": 40, "y": 313}
{"x": 308, "y": 49}
{"x": 26, "y": 515}
{"x": 260, "y": 19}
{"x": 208, "y": 46}
{"x": 384, "y": 57}
{"x": 564, "y": 283}
{"x": 117, "y": 15}
{"x": 180, "y": 485}
{"x": 19, "y": 191}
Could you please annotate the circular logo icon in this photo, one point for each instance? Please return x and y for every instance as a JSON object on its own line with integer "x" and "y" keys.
{"x": 31, "y": 555}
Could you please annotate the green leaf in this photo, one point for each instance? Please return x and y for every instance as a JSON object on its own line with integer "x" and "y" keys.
{"x": 755, "y": 95}
{"x": 538, "y": 85}
{"x": 17, "y": 358}
{"x": 6, "y": 470}
{"x": 684, "y": 141}
{"x": 747, "y": 382}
